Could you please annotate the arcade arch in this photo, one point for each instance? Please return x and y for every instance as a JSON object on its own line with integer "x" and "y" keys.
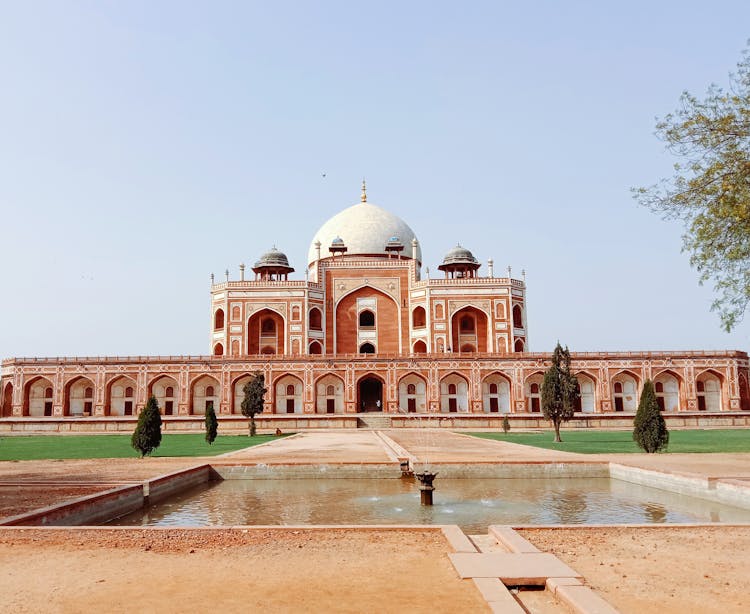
{"x": 469, "y": 330}
{"x": 78, "y": 397}
{"x": 496, "y": 394}
{"x": 219, "y": 319}
{"x": 288, "y": 395}
{"x": 370, "y": 393}
{"x": 238, "y": 394}
{"x": 6, "y": 403}
{"x": 121, "y": 397}
{"x": 329, "y": 395}
{"x": 412, "y": 394}
{"x": 419, "y": 317}
{"x": 625, "y": 392}
{"x": 265, "y": 333}
{"x": 667, "y": 388}
{"x": 454, "y": 394}
{"x": 164, "y": 388}
{"x": 708, "y": 391}
{"x": 586, "y": 401}
{"x": 205, "y": 393}
{"x": 533, "y": 390}
{"x": 38, "y": 398}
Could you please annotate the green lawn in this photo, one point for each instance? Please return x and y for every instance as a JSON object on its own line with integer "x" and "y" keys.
{"x": 118, "y": 446}
{"x": 596, "y": 442}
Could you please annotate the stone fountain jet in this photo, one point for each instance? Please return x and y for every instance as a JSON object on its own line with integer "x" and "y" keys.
{"x": 425, "y": 486}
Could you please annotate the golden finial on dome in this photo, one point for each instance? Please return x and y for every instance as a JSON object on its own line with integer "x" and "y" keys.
{"x": 363, "y": 198}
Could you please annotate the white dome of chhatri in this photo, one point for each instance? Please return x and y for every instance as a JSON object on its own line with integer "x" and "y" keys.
{"x": 365, "y": 229}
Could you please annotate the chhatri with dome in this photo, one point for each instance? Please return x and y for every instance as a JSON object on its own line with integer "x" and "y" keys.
{"x": 367, "y": 331}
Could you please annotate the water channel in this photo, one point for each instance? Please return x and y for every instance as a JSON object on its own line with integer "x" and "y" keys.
{"x": 473, "y": 504}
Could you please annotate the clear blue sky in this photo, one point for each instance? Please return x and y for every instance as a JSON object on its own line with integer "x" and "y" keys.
{"x": 144, "y": 145}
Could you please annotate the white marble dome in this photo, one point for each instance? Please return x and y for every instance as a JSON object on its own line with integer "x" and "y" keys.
{"x": 365, "y": 229}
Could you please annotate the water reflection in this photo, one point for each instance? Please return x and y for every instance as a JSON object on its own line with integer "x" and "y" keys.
{"x": 471, "y": 503}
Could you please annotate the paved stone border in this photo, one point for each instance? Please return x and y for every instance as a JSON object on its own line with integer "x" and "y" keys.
{"x": 722, "y": 490}
{"x": 113, "y": 503}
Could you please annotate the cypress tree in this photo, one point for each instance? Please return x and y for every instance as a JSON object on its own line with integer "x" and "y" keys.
{"x": 212, "y": 424}
{"x": 253, "y": 401}
{"x": 147, "y": 435}
{"x": 506, "y": 424}
{"x": 559, "y": 390}
{"x": 650, "y": 430}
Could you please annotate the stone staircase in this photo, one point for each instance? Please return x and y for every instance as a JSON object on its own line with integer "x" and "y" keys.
{"x": 373, "y": 421}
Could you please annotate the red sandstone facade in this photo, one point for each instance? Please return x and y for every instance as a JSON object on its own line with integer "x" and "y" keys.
{"x": 366, "y": 332}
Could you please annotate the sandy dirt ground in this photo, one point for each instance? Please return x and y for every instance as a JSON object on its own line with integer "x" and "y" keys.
{"x": 273, "y": 570}
{"x": 664, "y": 570}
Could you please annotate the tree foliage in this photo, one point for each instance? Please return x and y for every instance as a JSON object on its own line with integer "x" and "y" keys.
{"x": 710, "y": 189}
{"x": 147, "y": 435}
{"x": 506, "y": 424}
{"x": 559, "y": 390}
{"x": 212, "y": 424}
{"x": 650, "y": 430}
{"x": 252, "y": 403}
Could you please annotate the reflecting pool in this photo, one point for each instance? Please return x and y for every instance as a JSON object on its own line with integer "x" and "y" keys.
{"x": 473, "y": 504}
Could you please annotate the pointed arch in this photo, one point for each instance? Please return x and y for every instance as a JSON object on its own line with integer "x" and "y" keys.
{"x": 668, "y": 388}
{"x": 496, "y": 389}
{"x": 38, "y": 397}
{"x": 587, "y": 385}
{"x": 237, "y": 393}
{"x": 625, "y": 386}
{"x": 288, "y": 390}
{"x": 419, "y": 317}
{"x": 420, "y": 347}
{"x": 165, "y": 390}
{"x": 205, "y": 392}
{"x": 533, "y": 391}
{"x": 709, "y": 387}
{"x": 469, "y": 329}
{"x": 266, "y": 332}
{"x": 315, "y": 319}
{"x": 454, "y": 393}
{"x": 384, "y": 331}
{"x": 371, "y": 389}
{"x": 517, "y": 315}
{"x": 78, "y": 397}
{"x": 744, "y": 389}
{"x": 316, "y": 348}
{"x": 329, "y": 394}
{"x": 412, "y": 393}
{"x": 219, "y": 319}
{"x": 6, "y": 401}
{"x": 120, "y": 396}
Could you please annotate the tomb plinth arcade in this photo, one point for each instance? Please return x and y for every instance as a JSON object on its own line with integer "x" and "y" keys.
{"x": 368, "y": 331}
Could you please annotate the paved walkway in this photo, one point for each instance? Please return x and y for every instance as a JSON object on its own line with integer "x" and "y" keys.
{"x": 317, "y": 447}
{"x": 439, "y": 446}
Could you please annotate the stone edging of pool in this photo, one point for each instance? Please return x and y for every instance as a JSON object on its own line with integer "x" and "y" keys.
{"x": 101, "y": 507}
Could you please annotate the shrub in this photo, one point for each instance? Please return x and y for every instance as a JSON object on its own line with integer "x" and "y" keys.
{"x": 147, "y": 435}
{"x": 650, "y": 430}
{"x": 212, "y": 424}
